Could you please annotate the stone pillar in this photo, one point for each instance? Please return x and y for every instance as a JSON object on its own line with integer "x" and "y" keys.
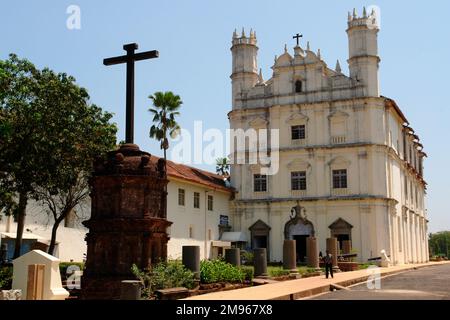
{"x": 128, "y": 225}
{"x": 346, "y": 246}
{"x": 130, "y": 290}
{"x": 260, "y": 262}
{"x": 332, "y": 247}
{"x": 416, "y": 225}
{"x": 290, "y": 256}
{"x": 313, "y": 255}
{"x": 191, "y": 259}
{"x": 233, "y": 256}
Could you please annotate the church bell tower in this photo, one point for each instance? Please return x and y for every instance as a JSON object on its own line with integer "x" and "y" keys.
{"x": 363, "y": 51}
{"x": 245, "y": 66}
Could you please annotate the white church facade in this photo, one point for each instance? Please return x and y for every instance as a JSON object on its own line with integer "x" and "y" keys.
{"x": 346, "y": 153}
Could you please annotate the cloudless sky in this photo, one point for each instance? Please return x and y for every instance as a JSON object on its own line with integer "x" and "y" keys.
{"x": 194, "y": 38}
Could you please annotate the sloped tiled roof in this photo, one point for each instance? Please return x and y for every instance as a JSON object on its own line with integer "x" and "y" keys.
{"x": 191, "y": 174}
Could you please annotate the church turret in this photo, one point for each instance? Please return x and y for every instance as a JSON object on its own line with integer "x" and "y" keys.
{"x": 363, "y": 51}
{"x": 245, "y": 67}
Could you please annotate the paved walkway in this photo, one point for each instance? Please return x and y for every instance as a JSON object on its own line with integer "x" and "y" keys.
{"x": 432, "y": 283}
{"x": 301, "y": 288}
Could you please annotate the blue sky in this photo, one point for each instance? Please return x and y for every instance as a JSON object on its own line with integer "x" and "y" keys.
{"x": 194, "y": 37}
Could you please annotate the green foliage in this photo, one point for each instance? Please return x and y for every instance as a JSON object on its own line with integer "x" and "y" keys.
{"x": 439, "y": 243}
{"x": 50, "y": 135}
{"x": 6, "y": 277}
{"x": 247, "y": 257}
{"x": 223, "y": 166}
{"x": 363, "y": 266}
{"x": 164, "y": 275}
{"x": 248, "y": 272}
{"x": 220, "y": 271}
{"x": 277, "y": 271}
{"x": 165, "y": 109}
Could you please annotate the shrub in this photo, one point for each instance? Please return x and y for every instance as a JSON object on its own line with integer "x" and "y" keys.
{"x": 278, "y": 272}
{"x": 6, "y": 276}
{"x": 247, "y": 258}
{"x": 248, "y": 272}
{"x": 220, "y": 271}
{"x": 162, "y": 276}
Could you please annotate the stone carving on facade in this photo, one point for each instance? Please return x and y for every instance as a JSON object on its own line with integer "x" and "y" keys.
{"x": 298, "y": 223}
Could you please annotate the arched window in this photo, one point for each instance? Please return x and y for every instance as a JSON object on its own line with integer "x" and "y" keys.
{"x": 298, "y": 86}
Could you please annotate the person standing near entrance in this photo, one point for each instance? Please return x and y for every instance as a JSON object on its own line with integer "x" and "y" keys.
{"x": 328, "y": 260}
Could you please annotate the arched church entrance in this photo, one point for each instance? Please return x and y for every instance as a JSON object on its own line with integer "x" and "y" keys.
{"x": 299, "y": 228}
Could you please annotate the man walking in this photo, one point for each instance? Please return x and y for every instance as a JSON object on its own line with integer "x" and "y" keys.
{"x": 328, "y": 260}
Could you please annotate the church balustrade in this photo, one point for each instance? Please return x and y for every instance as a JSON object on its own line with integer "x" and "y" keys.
{"x": 298, "y": 193}
{"x": 338, "y": 139}
{"x": 339, "y": 191}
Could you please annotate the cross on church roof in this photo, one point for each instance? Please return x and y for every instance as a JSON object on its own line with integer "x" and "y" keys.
{"x": 297, "y": 37}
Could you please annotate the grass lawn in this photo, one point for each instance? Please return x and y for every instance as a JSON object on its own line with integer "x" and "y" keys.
{"x": 363, "y": 266}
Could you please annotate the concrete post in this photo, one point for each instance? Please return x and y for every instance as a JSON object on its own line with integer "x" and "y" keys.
{"x": 290, "y": 256}
{"x": 332, "y": 247}
{"x": 191, "y": 259}
{"x": 260, "y": 262}
{"x": 346, "y": 246}
{"x": 130, "y": 290}
{"x": 313, "y": 255}
{"x": 233, "y": 256}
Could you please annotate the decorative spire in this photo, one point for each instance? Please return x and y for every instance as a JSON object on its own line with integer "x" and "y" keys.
{"x": 275, "y": 60}
{"x": 338, "y": 67}
{"x": 307, "y": 46}
{"x": 373, "y": 13}
{"x": 254, "y": 34}
{"x": 235, "y": 34}
{"x": 364, "y": 12}
{"x": 318, "y": 53}
{"x": 285, "y": 48}
{"x": 251, "y": 34}
{"x": 354, "y": 13}
{"x": 243, "y": 32}
{"x": 260, "y": 76}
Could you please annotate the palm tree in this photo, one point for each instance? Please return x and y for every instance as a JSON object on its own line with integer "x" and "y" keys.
{"x": 223, "y": 166}
{"x": 164, "y": 110}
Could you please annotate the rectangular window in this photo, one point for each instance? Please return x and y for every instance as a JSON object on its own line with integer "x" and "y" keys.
{"x": 339, "y": 179}
{"x": 259, "y": 182}
{"x": 298, "y": 132}
{"x": 298, "y": 180}
{"x": 191, "y": 232}
{"x": 181, "y": 194}
{"x": 209, "y": 234}
{"x": 210, "y": 203}
{"x": 196, "y": 200}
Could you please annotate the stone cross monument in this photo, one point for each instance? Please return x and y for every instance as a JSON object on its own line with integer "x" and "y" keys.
{"x": 128, "y": 224}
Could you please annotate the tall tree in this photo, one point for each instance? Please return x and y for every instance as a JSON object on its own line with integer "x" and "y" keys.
{"x": 223, "y": 166}
{"x": 165, "y": 109}
{"x": 19, "y": 137}
{"x": 439, "y": 243}
{"x": 77, "y": 132}
{"x": 53, "y": 161}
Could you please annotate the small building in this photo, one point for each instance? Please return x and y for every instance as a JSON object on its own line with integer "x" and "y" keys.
{"x": 198, "y": 205}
